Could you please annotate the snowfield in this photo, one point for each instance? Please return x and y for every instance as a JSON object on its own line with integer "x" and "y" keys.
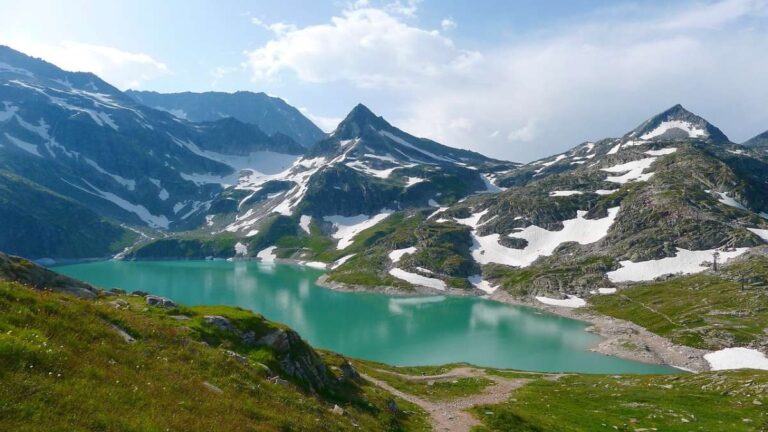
{"x": 339, "y": 262}
{"x": 661, "y": 152}
{"x": 762, "y": 233}
{"x": 736, "y": 358}
{"x": 564, "y": 193}
{"x": 304, "y": 222}
{"x": 541, "y": 242}
{"x": 267, "y": 255}
{"x": 571, "y": 302}
{"x": 241, "y": 249}
{"x": 664, "y": 127}
{"x": 396, "y": 254}
{"x": 347, "y": 227}
{"x": 633, "y": 171}
{"x": 723, "y": 198}
{"x": 483, "y": 285}
{"x": 685, "y": 262}
{"x": 417, "y": 279}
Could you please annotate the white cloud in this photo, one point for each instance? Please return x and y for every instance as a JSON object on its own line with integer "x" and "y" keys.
{"x": 326, "y": 124}
{"x": 448, "y": 24}
{"x": 123, "y": 69}
{"x": 406, "y": 9}
{"x": 366, "y": 47}
{"x": 544, "y": 91}
{"x": 278, "y": 28}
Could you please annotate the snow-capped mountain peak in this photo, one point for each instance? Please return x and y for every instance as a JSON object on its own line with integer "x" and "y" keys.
{"x": 674, "y": 124}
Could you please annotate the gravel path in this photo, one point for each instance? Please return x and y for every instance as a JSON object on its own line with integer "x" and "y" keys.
{"x": 452, "y": 415}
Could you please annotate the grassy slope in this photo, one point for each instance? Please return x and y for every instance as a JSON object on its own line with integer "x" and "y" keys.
{"x": 64, "y": 368}
{"x": 704, "y": 311}
{"x": 724, "y": 401}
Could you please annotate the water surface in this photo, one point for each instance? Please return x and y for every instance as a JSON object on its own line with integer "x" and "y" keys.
{"x": 396, "y": 330}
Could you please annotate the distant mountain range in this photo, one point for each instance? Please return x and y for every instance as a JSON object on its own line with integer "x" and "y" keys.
{"x": 272, "y": 115}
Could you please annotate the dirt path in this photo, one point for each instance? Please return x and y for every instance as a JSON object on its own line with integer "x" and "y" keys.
{"x": 452, "y": 415}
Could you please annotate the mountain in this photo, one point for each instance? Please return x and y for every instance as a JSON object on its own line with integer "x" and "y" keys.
{"x": 599, "y": 215}
{"x": 364, "y": 171}
{"x": 760, "y": 141}
{"x": 87, "y": 149}
{"x": 272, "y": 115}
{"x": 674, "y": 124}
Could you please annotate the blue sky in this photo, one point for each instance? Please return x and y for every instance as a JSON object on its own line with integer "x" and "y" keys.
{"x": 513, "y": 79}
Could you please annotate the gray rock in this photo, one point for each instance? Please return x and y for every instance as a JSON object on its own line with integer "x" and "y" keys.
{"x": 212, "y": 387}
{"x": 160, "y": 302}
{"x": 337, "y": 410}
{"x": 239, "y": 357}
{"x": 279, "y": 381}
{"x": 220, "y": 322}
{"x": 348, "y": 372}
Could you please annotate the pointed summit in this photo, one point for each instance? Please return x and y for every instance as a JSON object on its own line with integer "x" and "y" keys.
{"x": 674, "y": 124}
{"x": 357, "y": 120}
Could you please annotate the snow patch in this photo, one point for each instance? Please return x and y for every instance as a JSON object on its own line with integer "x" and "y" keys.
{"x": 633, "y": 171}
{"x": 606, "y": 191}
{"x": 564, "y": 193}
{"x": 396, "y": 254}
{"x": 347, "y": 227}
{"x": 571, "y": 302}
{"x": 339, "y": 262}
{"x": 241, "y": 249}
{"x": 687, "y": 127}
{"x": 267, "y": 255}
{"x": 684, "y": 262}
{"x": 405, "y": 143}
{"x": 417, "y": 279}
{"x": 27, "y": 147}
{"x": 661, "y": 152}
{"x": 139, "y": 210}
{"x": 541, "y": 242}
{"x": 483, "y": 285}
{"x": 304, "y": 222}
{"x": 489, "y": 186}
{"x": 762, "y": 233}
{"x": 736, "y": 358}
{"x": 604, "y": 291}
{"x": 725, "y": 199}
{"x": 410, "y": 181}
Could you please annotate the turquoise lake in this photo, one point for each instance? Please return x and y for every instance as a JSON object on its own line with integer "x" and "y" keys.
{"x": 396, "y": 330}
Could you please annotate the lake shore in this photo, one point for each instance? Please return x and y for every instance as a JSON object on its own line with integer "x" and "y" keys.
{"x": 622, "y": 339}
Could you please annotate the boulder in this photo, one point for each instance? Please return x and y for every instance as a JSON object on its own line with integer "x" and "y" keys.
{"x": 348, "y": 372}
{"x": 160, "y": 301}
{"x": 337, "y": 410}
{"x": 220, "y": 322}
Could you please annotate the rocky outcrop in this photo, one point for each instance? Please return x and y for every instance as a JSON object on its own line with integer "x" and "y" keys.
{"x": 160, "y": 302}
{"x": 295, "y": 356}
{"x": 28, "y": 273}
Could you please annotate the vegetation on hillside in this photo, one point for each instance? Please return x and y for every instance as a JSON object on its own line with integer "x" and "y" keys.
{"x": 115, "y": 364}
{"x": 711, "y": 311}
